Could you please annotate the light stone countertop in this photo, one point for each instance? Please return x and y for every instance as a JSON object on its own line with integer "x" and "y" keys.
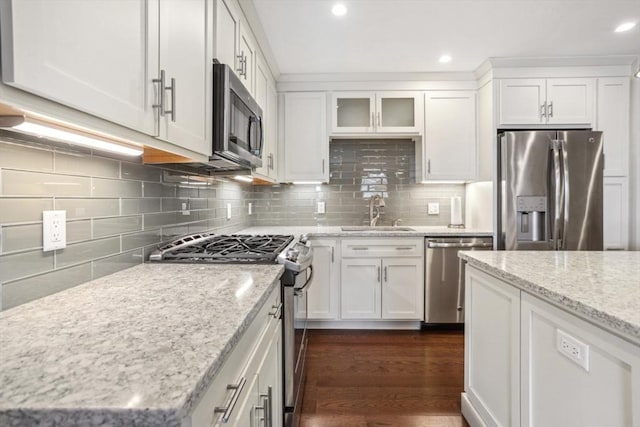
{"x": 602, "y": 287}
{"x": 336, "y": 231}
{"x": 138, "y": 347}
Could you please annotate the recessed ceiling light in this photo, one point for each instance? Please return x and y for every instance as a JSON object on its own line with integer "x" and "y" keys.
{"x": 445, "y": 58}
{"x": 339, "y": 9}
{"x": 625, "y": 27}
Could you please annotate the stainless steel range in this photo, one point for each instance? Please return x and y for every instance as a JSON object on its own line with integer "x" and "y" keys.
{"x": 296, "y": 255}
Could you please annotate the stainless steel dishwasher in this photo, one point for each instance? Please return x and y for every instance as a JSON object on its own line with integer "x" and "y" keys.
{"x": 444, "y": 275}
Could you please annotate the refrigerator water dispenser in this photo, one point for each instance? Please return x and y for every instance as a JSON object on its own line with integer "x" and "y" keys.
{"x": 532, "y": 218}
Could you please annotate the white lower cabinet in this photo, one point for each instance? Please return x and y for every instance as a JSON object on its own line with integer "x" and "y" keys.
{"x": 556, "y": 391}
{"x": 516, "y": 373}
{"x": 250, "y": 379}
{"x": 382, "y": 279}
{"x": 492, "y": 349}
{"x": 323, "y": 296}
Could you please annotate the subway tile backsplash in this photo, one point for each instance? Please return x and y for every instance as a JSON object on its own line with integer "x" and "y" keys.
{"x": 358, "y": 170}
{"x": 118, "y": 210}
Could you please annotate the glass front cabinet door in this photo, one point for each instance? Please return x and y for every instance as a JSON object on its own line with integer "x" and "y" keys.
{"x": 376, "y": 112}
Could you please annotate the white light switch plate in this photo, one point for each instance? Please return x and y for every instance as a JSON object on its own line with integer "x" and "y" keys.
{"x": 228, "y": 210}
{"x": 54, "y": 230}
{"x": 433, "y": 208}
{"x": 321, "y": 207}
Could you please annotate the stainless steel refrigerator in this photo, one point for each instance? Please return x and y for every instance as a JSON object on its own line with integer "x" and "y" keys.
{"x": 550, "y": 190}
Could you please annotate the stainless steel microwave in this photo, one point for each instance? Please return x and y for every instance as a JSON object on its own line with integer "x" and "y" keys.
{"x": 237, "y": 123}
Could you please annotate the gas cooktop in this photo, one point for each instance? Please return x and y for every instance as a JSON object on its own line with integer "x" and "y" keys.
{"x": 217, "y": 248}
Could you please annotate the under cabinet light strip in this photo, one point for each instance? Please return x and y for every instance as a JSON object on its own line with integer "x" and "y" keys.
{"x": 37, "y": 128}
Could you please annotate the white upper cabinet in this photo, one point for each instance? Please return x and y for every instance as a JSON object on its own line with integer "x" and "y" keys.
{"x": 450, "y": 142}
{"x": 235, "y": 45}
{"x": 186, "y": 66}
{"x": 376, "y": 112}
{"x": 247, "y": 55}
{"x": 96, "y": 56}
{"x": 305, "y": 145}
{"x": 109, "y": 58}
{"x": 613, "y": 121}
{"x": 227, "y": 34}
{"x": 267, "y": 97}
{"x": 565, "y": 101}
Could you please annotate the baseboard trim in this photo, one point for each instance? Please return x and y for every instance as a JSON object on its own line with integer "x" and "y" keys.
{"x": 364, "y": 324}
{"x": 470, "y": 413}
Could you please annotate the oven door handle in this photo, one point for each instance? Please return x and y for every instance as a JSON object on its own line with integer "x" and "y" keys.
{"x": 300, "y": 290}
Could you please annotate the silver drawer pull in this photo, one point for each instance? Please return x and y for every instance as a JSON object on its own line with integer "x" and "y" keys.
{"x": 403, "y": 249}
{"x": 360, "y": 249}
{"x": 237, "y": 390}
{"x": 276, "y": 312}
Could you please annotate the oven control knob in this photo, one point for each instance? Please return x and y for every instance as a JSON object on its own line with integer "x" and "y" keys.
{"x": 303, "y": 239}
{"x": 292, "y": 255}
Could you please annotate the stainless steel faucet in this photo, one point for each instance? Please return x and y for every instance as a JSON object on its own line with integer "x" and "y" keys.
{"x": 372, "y": 203}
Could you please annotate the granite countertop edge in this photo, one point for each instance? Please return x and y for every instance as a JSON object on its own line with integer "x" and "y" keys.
{"x": 169, "y": 415}
{"x": 203, "y": 384}
{"x": 605, "y": 320}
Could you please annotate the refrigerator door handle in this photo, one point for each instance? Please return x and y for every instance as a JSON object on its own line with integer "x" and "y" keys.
{"x": 557, "y": 196}
{"x": 565, "y": 188}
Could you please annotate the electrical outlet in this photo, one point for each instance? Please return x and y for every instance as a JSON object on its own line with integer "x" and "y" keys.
{"x": 228, "y": 210}
{"x": 54, "y": 230}
{"x": 573, "y": 349}
{"x": 250, "y": 208}
{"x": 321, "y": 207}
{"x": 185, "y": 208}
{"x": 433, "y": 208}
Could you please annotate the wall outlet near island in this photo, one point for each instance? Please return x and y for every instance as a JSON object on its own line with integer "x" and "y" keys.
{"x": 321, "y": 207}
{"x": 574, "y": 349}
{"x": 433, "y": 208}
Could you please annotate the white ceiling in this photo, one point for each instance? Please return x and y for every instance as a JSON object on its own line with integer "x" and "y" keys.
{"x": 411, "y": 35}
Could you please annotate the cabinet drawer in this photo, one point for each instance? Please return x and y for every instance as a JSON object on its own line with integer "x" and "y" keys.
{"x": 360, "y": 248}
{"x": 240, "y": 366}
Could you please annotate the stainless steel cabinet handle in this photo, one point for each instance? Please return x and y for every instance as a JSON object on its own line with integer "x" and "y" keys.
{"x": 429, "y": 166}
{"x": 270, "y": 164}
{"x": 360, "y": 249}
{"x": 373, "y": 115}
{"x": 551, "y": 109}
{"x": 240, "y": 60}
{"x": 322, "y": 165}
{"x": 160, "y": 104}
{"x": 244, "y": 66}
{"x": 543, "y": 111}
{"x": 276, "y": 312}
{"x": 378, "y": 273}
{"x": 237, "y": 390}
{"x": 403, "y": 249}
{"x": 386, "y": 278}
{"x": 332, "y": 252}
{"x": 266, "y": 406}
{"x": 379, "y": 121}
{"x": 172, "y": 89}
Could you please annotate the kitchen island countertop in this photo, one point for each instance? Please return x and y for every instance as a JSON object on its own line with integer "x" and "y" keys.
{"x": 601, "y": 287}
{"x": 336, "y": 231}
{"x": 138, "y": 347}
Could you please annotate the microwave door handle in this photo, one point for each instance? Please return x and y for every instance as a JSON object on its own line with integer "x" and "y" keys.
{"x": 261, "y": 134}
{"x": 251, "y": 119}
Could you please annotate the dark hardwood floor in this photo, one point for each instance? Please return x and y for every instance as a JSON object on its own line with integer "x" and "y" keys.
{"x": 384, "y": 378}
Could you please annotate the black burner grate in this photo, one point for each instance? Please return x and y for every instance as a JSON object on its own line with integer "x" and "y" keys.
{"x": 233, "y": 249}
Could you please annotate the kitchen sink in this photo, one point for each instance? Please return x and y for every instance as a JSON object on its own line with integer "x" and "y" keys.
{"x": 374, "y": 228}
